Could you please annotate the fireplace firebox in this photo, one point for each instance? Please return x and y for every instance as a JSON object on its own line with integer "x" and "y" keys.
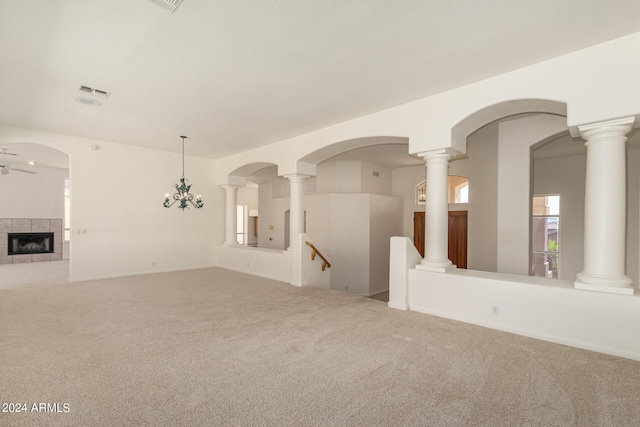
{"x": 30, "y": 243}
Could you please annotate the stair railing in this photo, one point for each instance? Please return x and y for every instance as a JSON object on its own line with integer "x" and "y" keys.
{"x": 315, "y": 252}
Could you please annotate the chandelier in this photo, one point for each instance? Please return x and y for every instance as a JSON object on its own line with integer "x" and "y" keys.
{"x": 182, "y": 194}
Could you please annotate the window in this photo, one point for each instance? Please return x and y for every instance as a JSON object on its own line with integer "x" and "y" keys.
{"x": 545, "y": 236}
{"x": 458, "y": 190}
{"x": 421, "y": 193}
{"x": 462, "y": 193}
{"x": 240, "y": 224}
{"x": 67, "y": 210}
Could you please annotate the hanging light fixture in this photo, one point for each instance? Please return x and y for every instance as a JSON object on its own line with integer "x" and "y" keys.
{"x": 182, "y": 195}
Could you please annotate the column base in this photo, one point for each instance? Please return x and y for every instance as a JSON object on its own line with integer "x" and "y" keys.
{"x": 613, "y": 285}
{"x": 438, "y": 267}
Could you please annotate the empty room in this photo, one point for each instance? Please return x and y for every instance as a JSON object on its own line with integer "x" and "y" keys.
{"x": 319, "y": 213}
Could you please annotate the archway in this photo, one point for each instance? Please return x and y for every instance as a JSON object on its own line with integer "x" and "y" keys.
{"x": 253, "y": 223}
{"x": 36, "y": 179}
{"x": 498, "y": 142}
{"x": 494, "y": 112}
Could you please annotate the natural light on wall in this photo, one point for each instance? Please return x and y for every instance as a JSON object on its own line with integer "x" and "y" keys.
{"x": 545, "y": 236}
{"x": 67, "y": 210}
{"x": 240, "y": 224}
{"x": 458, "y": 190}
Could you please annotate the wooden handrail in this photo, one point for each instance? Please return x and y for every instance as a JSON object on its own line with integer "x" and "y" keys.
{"x": 325, "y": 263}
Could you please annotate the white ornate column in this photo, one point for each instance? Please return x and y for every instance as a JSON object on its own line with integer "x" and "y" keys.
{"x": 436, "y": 242}
{"x": 231, "y": 214}
{"x": 605, "y": 208}
{"x": 296, "y": 205}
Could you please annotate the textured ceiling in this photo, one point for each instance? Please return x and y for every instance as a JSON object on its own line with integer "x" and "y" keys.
{"x": 237, "y": 74}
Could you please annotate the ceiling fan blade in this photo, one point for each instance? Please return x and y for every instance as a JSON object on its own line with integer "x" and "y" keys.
{"x": 22, "y": 170}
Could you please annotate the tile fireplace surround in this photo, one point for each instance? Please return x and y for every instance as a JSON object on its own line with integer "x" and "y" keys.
{"x": 30, "y": 225}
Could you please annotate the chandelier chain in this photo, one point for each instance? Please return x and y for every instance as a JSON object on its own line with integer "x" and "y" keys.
{"x": 183, "y": 137}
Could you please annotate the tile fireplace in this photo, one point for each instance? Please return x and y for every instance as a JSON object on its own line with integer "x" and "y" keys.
{"x": 30, "y": 240}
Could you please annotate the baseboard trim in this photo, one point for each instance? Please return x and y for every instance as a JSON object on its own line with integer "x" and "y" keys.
{"x": 531, "y": 334}
{"x": 141, "y": 273}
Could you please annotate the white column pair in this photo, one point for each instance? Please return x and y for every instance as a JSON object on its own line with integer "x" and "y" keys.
{"x": 296, "y": 210}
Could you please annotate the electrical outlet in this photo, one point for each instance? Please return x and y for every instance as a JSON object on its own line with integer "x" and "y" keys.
{"x": 495, "y": 310}
{"x": 346, "y": 288}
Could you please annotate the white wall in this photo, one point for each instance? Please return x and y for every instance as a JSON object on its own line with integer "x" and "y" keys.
{"x": 532, "y": 307}
{"x": 318, "y": 211}
{"x": 117, "y": 207}
{"x": 248, "y": 196}
{"x": 341, "y": 176}
{"x": 350, "y": 234}
{"x": 373, "y": 184}
{"x": 270, "y": 263}
{"x": 482, "y": 233}
{"x": 125, "y": 228}
{"x": 404, "y": 181}
{"x": 385, "y": 222}
{"x": 33, "y": 196}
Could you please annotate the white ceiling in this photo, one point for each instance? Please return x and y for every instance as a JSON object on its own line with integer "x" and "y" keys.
{"x": 237, "y": 74}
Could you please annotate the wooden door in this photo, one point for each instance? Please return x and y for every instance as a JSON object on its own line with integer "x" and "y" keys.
{"x": 457, "y": 236}
{"x": 418, "y": 232}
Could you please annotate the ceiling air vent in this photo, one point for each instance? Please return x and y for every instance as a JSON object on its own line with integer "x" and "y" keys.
{"x": 170, "y": 5}
{"x": 95, "y": 92}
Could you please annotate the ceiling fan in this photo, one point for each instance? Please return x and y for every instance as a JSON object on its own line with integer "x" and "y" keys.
{"x": 4, "y": 170}
{"x": 6, "y": 152}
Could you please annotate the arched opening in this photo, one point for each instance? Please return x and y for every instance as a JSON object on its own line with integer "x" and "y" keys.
{"x": 254, "y": 222}
{"x": 36, "y": 179}
{"x": 498, "y": 141}
{"x": 359, "y": 198}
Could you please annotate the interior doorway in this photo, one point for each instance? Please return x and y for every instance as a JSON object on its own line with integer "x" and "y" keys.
{"x": 458, "y": 225}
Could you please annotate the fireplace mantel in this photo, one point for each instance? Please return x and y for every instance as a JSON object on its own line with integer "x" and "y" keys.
{"x": 30, "y": 225}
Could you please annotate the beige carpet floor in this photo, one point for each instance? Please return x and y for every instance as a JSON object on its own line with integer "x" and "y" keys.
{"x": 212, "y": 347}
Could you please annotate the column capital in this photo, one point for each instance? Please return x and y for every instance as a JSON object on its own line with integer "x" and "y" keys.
{"x": 230, "y": 187}
{"x": 441, "y": 154}
{"x": 608, "y": 128}
{"x": 296, "y": 176}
